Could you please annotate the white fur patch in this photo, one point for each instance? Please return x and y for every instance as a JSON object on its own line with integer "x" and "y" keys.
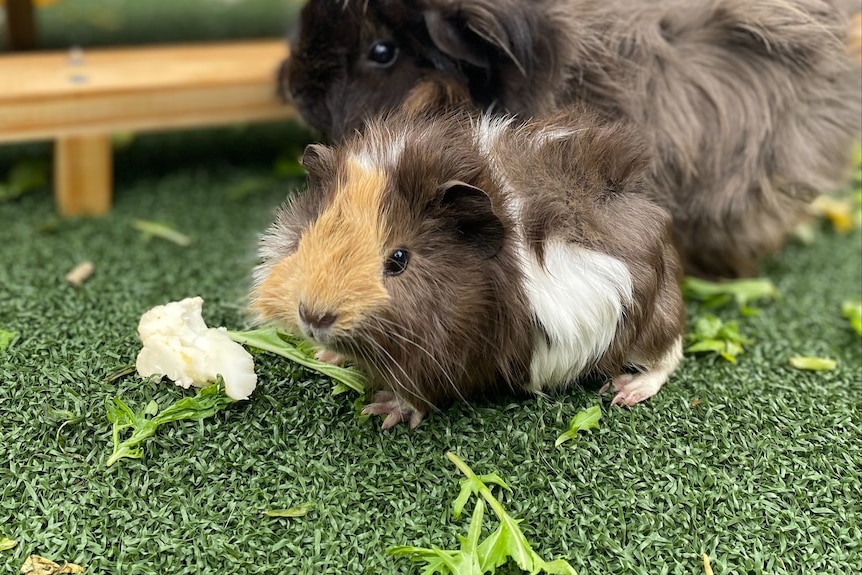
{"x": 488, "y": 132}
{"x": 548, "y": 135}
{"x": 381, "y": 154}
{"x": 577, "y": 297}
{"x": 277, "y": 242}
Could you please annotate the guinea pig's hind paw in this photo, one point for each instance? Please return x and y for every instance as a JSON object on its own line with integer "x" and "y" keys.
{"x": 385, "y": 402}
{"x": 634, "y": 388}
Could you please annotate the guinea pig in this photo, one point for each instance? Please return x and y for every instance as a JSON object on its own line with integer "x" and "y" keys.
{"x": 750, "y": 107}
{"x": 454, "y": 255}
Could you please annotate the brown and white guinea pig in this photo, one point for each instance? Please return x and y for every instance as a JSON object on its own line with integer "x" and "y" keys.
{"x": 750, "y": 106}
{"x": 447, "y": 256}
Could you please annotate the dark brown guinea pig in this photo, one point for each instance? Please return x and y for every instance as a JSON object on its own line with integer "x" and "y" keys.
{"x": 750, "y": 106}
{"x": 447, "y": 256}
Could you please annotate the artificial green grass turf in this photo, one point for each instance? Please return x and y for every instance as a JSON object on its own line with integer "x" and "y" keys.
{"x": 763, "y": 474}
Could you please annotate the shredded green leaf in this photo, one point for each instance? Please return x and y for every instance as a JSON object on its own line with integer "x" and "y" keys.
{"x": 506, "y": 543}
{"x": 852, "y": 310}
{"x": 584, "y": 420}
{"x": 163, "y": 231}
{"x": 64, "y": 417}
{"x": 287, "y": 166}
{"x": 743, "y": 292}
{"x": 6, "y": 544}
{"x": 711, "y": 335}
{"x": 6, "y": 338}
{"x": 122, "y": 372}
{"x": 813, "y": 363}
{"x": 122, "y": 140}
{"x": 25, "y": 176}
{"x": 61, "y": 415}
{"x": 299, "y": 351}
{"x": 208, "y": 401}
{"x": 339, "y": 388}
{"x": 298, "y": 511}
{"x": 248, "y": 187}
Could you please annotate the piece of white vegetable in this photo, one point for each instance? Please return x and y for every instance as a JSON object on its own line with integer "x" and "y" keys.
{"x": 179, "y": 345}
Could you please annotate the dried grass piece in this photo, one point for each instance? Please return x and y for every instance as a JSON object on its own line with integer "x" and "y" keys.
{"x": 707, "y": 568}
{"x": 36, "y": 565}
{"x": 80, "y": 273}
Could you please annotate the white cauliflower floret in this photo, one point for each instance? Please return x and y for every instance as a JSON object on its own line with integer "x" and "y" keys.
{"x": 179, "y": 345}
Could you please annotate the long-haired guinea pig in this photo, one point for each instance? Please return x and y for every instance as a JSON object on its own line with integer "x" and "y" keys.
{"x": 750, "y": 106}
{"x": 448, "y": 256}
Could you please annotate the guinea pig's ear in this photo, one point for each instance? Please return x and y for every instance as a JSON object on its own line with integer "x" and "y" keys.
{"x": 471, "y": 211}
{"x": 478, "y": 28}
{"x": 317, "y": 160}
{"x": 452, "y": 41}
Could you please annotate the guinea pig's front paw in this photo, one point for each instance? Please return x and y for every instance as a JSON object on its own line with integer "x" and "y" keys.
{"x": 327, "y": 356}
{"x": 396, "y": 410}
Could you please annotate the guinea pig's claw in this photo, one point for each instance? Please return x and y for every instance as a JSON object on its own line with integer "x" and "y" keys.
{"x": 392, "y": 420}
{"x": 386, "y": 403}
{"x": 627, "y": 399}
{"x": 416, "y": 418}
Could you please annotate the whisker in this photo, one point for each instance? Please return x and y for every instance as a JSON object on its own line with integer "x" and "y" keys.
{"x": 442, "y": 369}
{"x": 416, "y": 390}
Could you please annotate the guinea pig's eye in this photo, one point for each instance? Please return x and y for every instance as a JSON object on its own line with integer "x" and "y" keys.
{"x": 396, "y": 262}
{"x": 383, "y": 53}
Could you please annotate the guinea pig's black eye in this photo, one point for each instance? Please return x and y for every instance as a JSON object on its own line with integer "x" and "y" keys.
{"x": 383, "y": 53}
{"x": 396, "y": 262}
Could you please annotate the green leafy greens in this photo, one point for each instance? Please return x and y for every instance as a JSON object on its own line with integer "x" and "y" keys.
{"x": 299, "y": 351}
{"x": 298, "y": 511}
{"x": 249, "y": 186}
{"x": 813, "y": 363}
{"x": 743, "y": 292}
{"x": 24, "y": 177}
{"x": 163, "y": 231}
{"x": 712, "y": 335}
{"x": 143, "y": 425}
{"x": 6, "y": 338}
{"x": 584, "y": 420}
{"x": 852, "y": 310}
{"x": 506, "y": 543}
{"x": 287, "y": 166}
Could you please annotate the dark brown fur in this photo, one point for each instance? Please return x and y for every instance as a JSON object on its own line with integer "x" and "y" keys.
{"x": 603, "y": 202}
{"x": 456, "y": 324}
{"x": 750, "y": 106}
{"x": 459, "y": 323}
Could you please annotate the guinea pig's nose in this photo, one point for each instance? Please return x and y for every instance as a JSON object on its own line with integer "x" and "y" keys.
{"x": 316, "y": 320}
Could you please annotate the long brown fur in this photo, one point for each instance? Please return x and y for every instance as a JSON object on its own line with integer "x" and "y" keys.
{"x": 430, "y": 342}
{"x": 608, "y": 209}
{"x": 457, "y": 321}
{"x": 750, "y": 107}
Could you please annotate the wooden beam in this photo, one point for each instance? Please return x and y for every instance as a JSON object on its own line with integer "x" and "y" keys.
{"x": 20, "y": 25}
{"x": 79, "y": 98}
{"x": 83, "y": 175}
{"x": 46, "y": 95}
